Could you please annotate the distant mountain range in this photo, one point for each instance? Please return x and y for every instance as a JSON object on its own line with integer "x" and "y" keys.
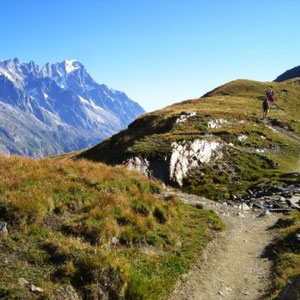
{"x": 57, "y": 108}
{"x": 289, "y": 74}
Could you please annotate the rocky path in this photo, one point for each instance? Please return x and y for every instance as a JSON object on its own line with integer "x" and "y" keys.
{"x": 237, "y": 264}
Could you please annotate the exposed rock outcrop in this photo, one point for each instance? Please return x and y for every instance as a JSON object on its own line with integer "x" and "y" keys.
{"x": 184, "y": 157}
{"x": 156, "y": 168}
{"x": 139, "y": 164}
{"x": 185, "y": 116}
{"x": 217, "y": 123}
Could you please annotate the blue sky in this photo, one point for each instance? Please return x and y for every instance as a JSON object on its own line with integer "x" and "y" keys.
{"x": 157, "y": 51}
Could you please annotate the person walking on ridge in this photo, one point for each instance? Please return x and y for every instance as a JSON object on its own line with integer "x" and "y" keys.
{"x": 268, "y": 102}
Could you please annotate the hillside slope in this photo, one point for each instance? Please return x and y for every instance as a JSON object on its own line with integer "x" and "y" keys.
{"x": 57, "y": 108}
{"x": 105, "y": 231}
{"x": 216, "y": 145}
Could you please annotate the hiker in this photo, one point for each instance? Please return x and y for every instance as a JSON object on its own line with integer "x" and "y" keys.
{"x": 270, "y": 95}
{"x": 268, "y": 102}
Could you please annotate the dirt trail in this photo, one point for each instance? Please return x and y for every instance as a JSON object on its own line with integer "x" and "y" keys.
{"x": 237, "y": 264}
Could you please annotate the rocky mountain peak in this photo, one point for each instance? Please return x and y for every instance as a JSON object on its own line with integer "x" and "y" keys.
{"x": 63, "y": 101}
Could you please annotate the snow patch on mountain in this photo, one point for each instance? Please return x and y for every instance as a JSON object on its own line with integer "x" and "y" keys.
{"x": 71, "y": 65}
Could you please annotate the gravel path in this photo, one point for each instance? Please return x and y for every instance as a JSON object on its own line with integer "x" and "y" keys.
{"x": 237, "y": 264}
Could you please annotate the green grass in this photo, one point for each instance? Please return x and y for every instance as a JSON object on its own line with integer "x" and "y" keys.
{"x": 287, "y": 251}
{"x": 240, "y": 103}
{"x": 63, "y": 217}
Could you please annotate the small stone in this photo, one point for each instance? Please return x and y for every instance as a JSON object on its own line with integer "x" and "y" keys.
{"x": 37, "y": 289}
{"x": 240, "y": 215}
{"x": 22, "y": 281}
{"x": 3, "y": 229}
{"x": 220, "y": 293}
{"x": 178, "y": 243}
{"x": 244, "y": 206}
{"x": 114, "y": 241}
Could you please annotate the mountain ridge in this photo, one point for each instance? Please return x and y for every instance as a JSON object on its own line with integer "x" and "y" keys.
{"x": 62, "y": 100}
{"x": 289, "y": 74}
{"x": 202, "y": 145}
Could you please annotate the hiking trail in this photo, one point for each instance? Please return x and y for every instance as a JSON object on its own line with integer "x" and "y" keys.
{"x": 237, "y": 264}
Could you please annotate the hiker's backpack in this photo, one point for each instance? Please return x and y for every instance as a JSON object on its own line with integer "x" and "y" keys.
{"x": 270, "y": 95}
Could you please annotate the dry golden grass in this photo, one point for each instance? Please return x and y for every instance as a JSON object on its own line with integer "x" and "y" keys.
{"x": 86, "y": 223}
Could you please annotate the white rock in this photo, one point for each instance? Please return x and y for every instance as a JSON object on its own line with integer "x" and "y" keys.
{"x": 240, "y": 215}
{"x": 217, "y": 123}
{"x": 242, "y": 137}
{"x": 114, "y": 241}
{"x": 244, "y": 206}
{"x": 295, "y": 200}
{"x": 34, "y": 288}
{"x": 260, "y": 150}
{"x": 139, "y": 164}
{"x": 184, "y": 117}
{"x": 186, "y": 156}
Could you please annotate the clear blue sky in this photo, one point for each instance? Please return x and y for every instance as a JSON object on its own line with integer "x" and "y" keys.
{"x": 157, "y": 51}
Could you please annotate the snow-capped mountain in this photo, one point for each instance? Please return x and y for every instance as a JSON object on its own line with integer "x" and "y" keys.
{"x": 57, "y": 108}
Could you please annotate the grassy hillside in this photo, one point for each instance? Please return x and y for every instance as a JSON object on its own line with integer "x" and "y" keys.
{"x": 98, "y": 228}
{"x": 253, "y": 150}
{"x": 287, "y": 251}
